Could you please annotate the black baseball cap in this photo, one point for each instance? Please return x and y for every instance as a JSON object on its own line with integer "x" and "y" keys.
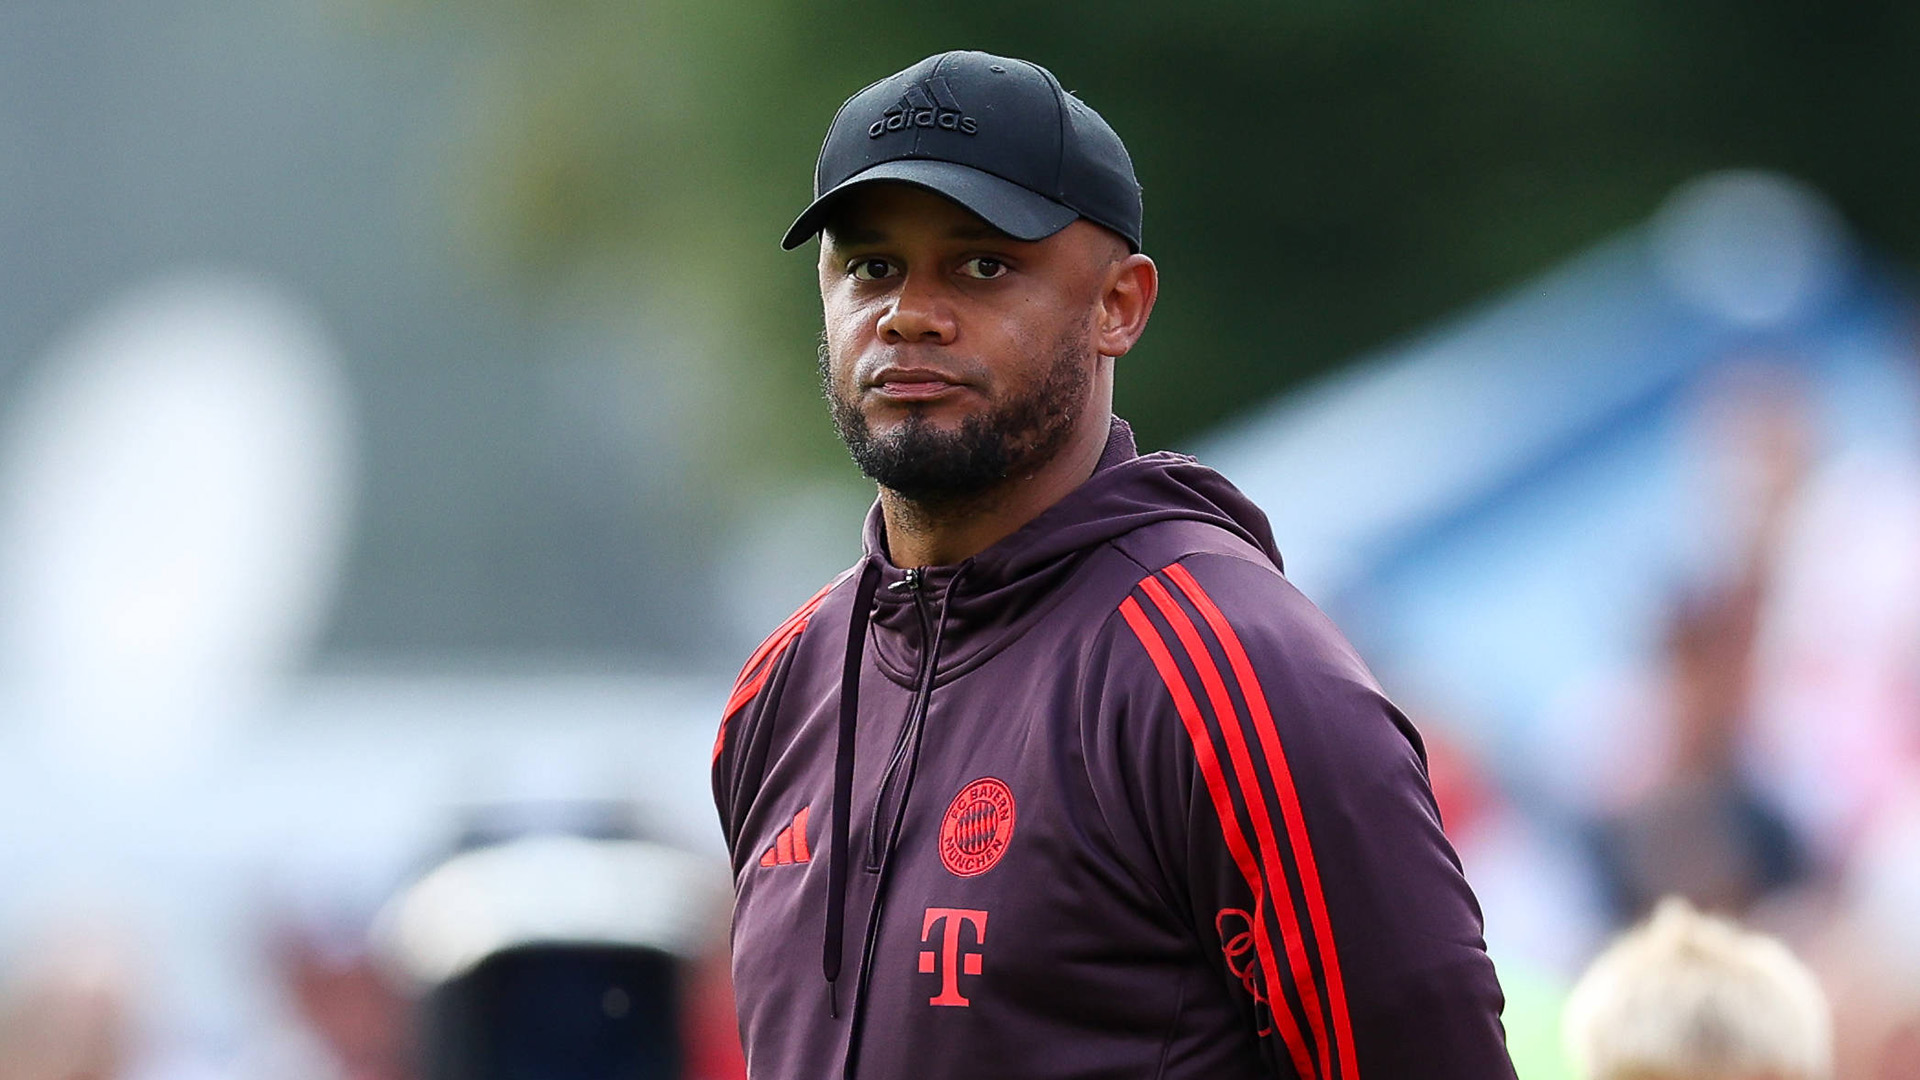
{"x": 997, "y": 135}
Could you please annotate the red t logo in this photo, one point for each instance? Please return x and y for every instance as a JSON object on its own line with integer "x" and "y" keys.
{"x": 950, "y": 962}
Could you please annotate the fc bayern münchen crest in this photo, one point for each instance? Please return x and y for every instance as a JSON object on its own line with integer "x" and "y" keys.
{"x": 977, "y": 828}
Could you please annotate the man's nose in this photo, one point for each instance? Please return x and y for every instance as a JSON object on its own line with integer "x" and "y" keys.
{"x": 920, "y": 313}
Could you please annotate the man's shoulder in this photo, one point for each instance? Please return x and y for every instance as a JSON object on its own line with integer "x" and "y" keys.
{"x": 1198, "y": 586}
{"x": 796, "y": 621}
{"x": 1180, "y": 539}
{"x": 766, "y": 657}
{"x": 1214, "y": 652}
{"x": 1245, "y": 581}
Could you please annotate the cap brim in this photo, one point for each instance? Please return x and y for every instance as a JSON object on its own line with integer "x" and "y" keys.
{"x": 1003, "y": 204}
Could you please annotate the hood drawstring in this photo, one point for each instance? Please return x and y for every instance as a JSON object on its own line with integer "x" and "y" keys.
{"x": 838, "y": 855}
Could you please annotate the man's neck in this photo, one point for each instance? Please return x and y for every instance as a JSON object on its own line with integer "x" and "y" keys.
{"x": 941, "y": 534}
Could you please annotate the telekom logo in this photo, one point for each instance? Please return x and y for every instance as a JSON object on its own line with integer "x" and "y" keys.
{"x": 950, "y": 962}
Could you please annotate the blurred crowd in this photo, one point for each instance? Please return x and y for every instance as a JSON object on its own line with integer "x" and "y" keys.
{"x": 1766, "y": 764}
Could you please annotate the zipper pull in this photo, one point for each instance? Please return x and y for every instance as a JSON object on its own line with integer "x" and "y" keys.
{"x": 910, "y": 583}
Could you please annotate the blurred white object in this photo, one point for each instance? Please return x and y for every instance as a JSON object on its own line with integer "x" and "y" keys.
{"x": 1836, "y": 701}
{"x": 1881, "y": 890}
{"x": 174, "y": 494}
{"x": 1756, "y": 249}
{"x": 547, "y": 890}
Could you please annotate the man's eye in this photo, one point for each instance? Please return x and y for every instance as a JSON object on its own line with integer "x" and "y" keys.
{"x": 984, "y": 267}
{"x": 871, "y": 269}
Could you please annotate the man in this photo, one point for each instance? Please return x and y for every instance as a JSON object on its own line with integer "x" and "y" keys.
{"x": 1062, "y": 779}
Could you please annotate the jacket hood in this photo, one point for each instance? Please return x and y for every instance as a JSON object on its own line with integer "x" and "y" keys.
{"x": 1001, "y": 592}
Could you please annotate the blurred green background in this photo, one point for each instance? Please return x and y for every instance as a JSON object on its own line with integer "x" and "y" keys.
{"x": 542, "y": 237}
{"x": 1320, "y": 177}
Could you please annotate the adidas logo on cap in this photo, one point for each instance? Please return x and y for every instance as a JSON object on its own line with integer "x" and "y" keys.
{"x": 928, "y": 105}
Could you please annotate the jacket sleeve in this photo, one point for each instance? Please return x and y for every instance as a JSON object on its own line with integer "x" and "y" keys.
{"x": 738, "y": 754}
{"x": 740, "y": 745}
{"x": 1285, "y": 804}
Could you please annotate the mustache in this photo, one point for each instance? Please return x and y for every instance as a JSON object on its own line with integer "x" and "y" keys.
{"x": 963, "y": 369}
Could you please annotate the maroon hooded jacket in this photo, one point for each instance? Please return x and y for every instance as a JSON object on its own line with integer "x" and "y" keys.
{"x": 1108, "y": 799}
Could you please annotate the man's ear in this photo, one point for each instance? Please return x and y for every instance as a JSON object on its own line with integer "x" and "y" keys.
{"x": 1129, "y": 289}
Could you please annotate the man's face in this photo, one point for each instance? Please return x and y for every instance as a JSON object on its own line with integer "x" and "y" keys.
{"x": 954, "y": 355}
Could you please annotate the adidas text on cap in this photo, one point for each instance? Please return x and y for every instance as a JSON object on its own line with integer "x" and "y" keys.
{"x": 998, "y": 136}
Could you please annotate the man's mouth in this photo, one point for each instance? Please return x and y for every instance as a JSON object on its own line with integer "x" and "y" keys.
{"x": 913, "y": 384}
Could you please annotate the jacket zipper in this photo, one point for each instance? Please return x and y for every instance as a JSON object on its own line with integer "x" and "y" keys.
{"x": 880, "y": 841}
{"x": 877, "y": 861}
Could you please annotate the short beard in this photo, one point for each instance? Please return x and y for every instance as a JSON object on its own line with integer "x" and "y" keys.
{"x": 948, "y": 471}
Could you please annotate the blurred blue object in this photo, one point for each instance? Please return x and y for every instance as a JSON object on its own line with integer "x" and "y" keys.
{"x": 1500, "y": 510}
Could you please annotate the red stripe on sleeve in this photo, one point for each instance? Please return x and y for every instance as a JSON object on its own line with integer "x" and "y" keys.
{"x": 1276, "y": 874}
{"x": 745, "y": 691}
{"x": 1216, "y": 783}
{"x": 753, "y": 675}
{"x": 1256, "y": 700}
{"x": 777, "y": 640}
